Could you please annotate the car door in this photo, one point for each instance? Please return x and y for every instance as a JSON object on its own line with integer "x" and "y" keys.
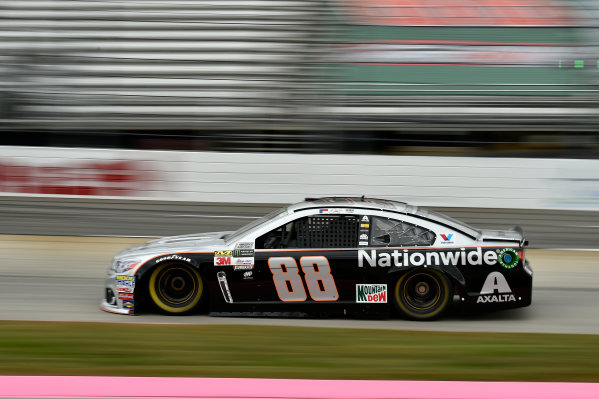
{"x": 309, "y": 260}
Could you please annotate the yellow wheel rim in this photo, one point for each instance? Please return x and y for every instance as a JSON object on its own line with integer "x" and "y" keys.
{"x": 422, "y": 294}
{"x": 175, "y": 288}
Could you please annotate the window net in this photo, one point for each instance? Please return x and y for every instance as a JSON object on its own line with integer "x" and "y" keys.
{"x": 327, "y": 232}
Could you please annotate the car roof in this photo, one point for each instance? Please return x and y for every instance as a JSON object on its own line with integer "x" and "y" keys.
{"x": 383, "y": 205}
{"x": 353, "y": 202}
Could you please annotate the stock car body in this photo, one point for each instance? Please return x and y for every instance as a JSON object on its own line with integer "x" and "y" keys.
{"x": 328, "y": 255}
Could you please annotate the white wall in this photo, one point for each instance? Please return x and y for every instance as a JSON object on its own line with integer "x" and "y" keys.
{"x": 286, "y": 178}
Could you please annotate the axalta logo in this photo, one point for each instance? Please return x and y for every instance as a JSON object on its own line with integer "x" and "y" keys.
{"x": 496, "y": 289}
{"x": 402, "y": 258}
{"x": 371, "y": 293}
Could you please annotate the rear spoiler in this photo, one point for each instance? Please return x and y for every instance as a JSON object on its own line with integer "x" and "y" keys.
{"x": 523, "y": 242}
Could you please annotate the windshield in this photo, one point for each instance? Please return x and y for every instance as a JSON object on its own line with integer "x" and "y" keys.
{"x": 245, "y": 229}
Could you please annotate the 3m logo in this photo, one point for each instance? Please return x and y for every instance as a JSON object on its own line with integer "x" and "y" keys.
{"x": 446, "y": 237}
{"x": 371, "y": 293}
{"x": 222, "y": 261}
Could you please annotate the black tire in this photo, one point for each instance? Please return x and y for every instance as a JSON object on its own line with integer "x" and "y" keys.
{"x": 422, "y": 294}
{"x": 175, "y": 288}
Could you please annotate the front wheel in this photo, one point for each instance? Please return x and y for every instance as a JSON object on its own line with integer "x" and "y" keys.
{"x": 175, "y": 288}
{"x": 422, "y": 294}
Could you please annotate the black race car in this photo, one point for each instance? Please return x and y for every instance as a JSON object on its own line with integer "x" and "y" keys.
{"x": 328, "y": 255}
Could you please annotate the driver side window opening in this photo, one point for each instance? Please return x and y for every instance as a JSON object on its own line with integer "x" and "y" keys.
{"x": 326, "y": 231}
{"x": 397, "y": 233}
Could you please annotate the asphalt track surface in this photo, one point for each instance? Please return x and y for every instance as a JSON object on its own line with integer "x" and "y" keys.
{"x": 61, "y": 278}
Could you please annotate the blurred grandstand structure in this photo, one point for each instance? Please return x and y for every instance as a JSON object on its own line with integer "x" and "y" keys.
{"x": 394, "y": 76}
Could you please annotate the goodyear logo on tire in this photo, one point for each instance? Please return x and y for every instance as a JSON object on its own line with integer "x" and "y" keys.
{"x": 508, "y": 258}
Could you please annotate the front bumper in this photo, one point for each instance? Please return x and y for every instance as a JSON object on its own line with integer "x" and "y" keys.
{"x": 119, "y": 294}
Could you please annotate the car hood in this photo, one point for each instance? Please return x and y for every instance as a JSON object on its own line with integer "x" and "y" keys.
{"x": 183, "y": 243}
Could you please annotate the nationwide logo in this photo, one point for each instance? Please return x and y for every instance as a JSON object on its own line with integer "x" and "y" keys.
{"x": 496, "y": 290}
{"x": 371, "y": 293}
{"x": 403, "y": 258}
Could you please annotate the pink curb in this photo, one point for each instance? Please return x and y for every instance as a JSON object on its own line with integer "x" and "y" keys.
{"x": 242, "y": 388}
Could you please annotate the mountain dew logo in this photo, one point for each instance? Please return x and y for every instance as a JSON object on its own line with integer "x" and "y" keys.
{"x": 371, "y": 293}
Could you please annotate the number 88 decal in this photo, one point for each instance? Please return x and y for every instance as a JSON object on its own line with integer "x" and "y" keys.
{"x": 288, "y": 282}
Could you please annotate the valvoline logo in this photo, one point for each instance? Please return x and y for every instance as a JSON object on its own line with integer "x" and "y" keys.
{"x": 446, "y": 237}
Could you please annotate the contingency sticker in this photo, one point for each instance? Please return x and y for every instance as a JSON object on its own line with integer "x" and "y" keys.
{"x": 125, "y": 283}
{"x": 446, "y": 238}
{"x": 336, "y": 210}
{"x": 128, "y": 304}
{"x": 222, "y": 258}
{"x": 244, "y": 245}
{"x": 243, "y": 256}
{"x": 508, "y": 258}
{"x": 364, "y": 233}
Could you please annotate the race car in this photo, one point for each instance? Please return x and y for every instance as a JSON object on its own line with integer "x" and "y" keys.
{"x": 328, "y": 255}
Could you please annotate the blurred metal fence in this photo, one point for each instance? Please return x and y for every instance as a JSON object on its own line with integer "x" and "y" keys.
{"x": 278, "y": 67}
{"x": 153, "y": 64}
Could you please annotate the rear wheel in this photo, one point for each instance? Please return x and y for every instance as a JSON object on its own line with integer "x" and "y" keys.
{"x": 422, "y": 294}
{"x": 175, "y": 288}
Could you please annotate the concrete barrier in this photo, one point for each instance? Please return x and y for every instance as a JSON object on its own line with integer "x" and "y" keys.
{"x": 516, "y": 183}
